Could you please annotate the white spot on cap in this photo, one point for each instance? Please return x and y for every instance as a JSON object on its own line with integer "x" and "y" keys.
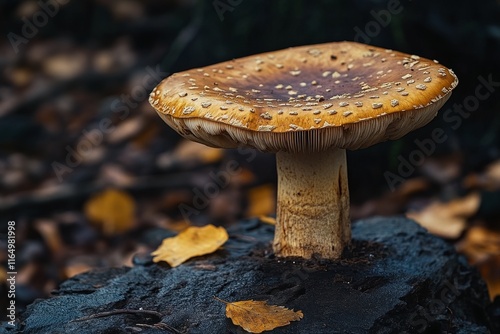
{"x": 421, "y": 87}
{"x": 182, "y": 94}
{"x": 314, "y": 52}
{"x": 343, "y": 104}
{"x": 266, "y": 115}
{"x": 296, "y": 127}
{"x": 266, "y": 128}
{"x": 188, "y": 110}
{"x": 377, "y": 105}
{"x": 394, "y": 103}
{"x": 206, "y": 104}
{"x": 406, "y": 76}
{"x": 347, "y": 113}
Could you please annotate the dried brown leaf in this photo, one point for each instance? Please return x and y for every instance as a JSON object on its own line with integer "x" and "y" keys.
{"x": 194, "y": 241}
{"x": 189, "y": 151}
{"x": 48, "y": 229}
{"x": 449, "y": 219}
{"x": 487, "y": 180}
{"x": 481, "y": 246}
{"x": 257, "y": 316}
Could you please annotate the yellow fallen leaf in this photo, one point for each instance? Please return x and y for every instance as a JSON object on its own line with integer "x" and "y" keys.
{"x": 193, "y": 241}
{"x": 257, "y": 316}
{"x": 261, "y": 200}
{"x": 268, "y": 220}
{"x": 112, "y": 209}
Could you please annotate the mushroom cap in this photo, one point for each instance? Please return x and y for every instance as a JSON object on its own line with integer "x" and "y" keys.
{"x": 309, "y": 98}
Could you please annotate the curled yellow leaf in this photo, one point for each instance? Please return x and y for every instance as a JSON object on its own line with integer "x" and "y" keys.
{"x": 194, "y": 241}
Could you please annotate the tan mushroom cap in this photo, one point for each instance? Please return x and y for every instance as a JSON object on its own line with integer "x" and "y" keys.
{"x": 310, "y": 98}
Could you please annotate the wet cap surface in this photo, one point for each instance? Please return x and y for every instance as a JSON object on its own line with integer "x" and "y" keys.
{"x": 341, "y": 94}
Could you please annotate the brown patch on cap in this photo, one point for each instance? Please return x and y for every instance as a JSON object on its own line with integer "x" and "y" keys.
{"x": 341, "y": 94}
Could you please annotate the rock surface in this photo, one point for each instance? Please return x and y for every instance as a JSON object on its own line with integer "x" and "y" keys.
{"x": 395, "y": 278}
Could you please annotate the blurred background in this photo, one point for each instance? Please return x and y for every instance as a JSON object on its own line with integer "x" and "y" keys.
{"x": 92, "y": 176}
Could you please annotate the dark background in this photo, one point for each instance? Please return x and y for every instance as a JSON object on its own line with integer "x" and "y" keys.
{"x": 70, "y": 69}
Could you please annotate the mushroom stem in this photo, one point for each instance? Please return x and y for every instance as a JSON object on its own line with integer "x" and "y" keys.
{"x": 313, "y": 204}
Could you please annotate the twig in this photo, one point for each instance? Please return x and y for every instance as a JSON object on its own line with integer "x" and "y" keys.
{"x": 119, "y": 311}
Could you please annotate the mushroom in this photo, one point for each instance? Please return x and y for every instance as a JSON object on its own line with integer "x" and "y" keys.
{"x": 308, "y": 105}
